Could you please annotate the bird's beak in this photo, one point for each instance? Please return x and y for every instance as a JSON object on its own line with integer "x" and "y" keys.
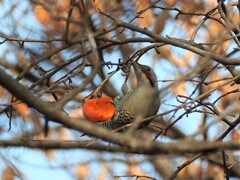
{"x": 137, "y": 68}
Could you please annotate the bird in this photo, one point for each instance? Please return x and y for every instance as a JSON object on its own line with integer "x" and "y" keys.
{"x": 141, "y": 102}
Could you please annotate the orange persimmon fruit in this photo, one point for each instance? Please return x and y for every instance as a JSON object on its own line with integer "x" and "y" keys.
{"x": 98, "y": 109}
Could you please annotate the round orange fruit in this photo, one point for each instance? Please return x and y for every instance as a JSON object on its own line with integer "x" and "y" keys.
{"x": 98, "y": 109}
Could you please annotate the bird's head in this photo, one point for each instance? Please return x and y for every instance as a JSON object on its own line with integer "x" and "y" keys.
{"x": 145, "y": 75}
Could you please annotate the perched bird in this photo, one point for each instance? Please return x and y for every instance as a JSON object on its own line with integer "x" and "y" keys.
{"x": 143, "y": 101}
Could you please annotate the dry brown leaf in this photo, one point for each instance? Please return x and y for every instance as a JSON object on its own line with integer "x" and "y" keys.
{"x": 62, "y": 9}
{"x": 180, "y": 87}
{"x": 135, "y": 170}
{"x": 213, "y": 29}
{"x": 227, "y": 100}
{"x": 191, "y": 171}
{"x": 113, "y": 8}
{"x": 82, "y": 171}
{"x": 192, "y": 6}
{"x": 57, "y": 9}
{"x": 146, "y": 18}
{"x": 125, "y": 49}
{"x": 38, "y": 136}
{"x": 170, "y": 2}
{"x": 193, "y": 20}
{"x": 230, "y": 99}
{"x": 63, "y": 134}
{"x": 50, "y": 154}
{"x": 212, "y": 4}
{"x": 34, "y": 117}
{"x": 100, "y": 4}
{"x": 166, "y": 53}
{"x": 42, "y": 15}
{"x": 213, "y": 77}
{"x": 1, "y": 91}
{"x": 160, "y": 23}
{"x": 235, "y": 19}
{"x": 65, "y": 4}
{"x": 189, "y": 23}
{"x": 215, "y": 172}
{"x": 235, "y": 135}
{"x": 22, "y": 109}
{"x": 101, "y": 43}
{"x": 8, "y": 174}
{"x": 102, "y": 175}
{"x": 221, "y": 47}
{"x": 217, "y": 34}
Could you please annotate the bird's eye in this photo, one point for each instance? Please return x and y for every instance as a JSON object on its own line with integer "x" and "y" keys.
{"x": 146, "y": 68}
